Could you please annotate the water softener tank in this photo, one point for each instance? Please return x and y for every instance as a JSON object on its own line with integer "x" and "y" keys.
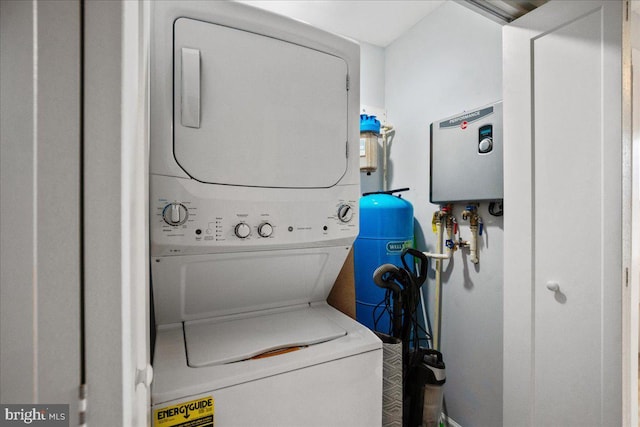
{"x": 386, "y": 228}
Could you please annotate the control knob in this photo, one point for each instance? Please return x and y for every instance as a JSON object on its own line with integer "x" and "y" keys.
{"x": 345, "y": 212}
{"x": 485, "y": 146}
{"x": 265, "y": 229}
{"x": 175, "y": 214}
{"x": 242, "y": 230}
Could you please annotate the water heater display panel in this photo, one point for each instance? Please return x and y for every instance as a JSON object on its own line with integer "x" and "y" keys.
{"x": 466, "y": 156}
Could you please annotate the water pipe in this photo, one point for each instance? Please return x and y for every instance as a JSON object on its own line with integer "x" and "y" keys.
{"x": 447, "y": 255}
{"x": 440, "y": 217}
{"x": 475, "y": 224}
{"x": 387, "y": 131}
{"x": 438, "y": 294}
{"x": 473, "y": 246}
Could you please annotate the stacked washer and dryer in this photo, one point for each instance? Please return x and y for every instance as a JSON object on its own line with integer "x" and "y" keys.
{"x": 254, "y": 188}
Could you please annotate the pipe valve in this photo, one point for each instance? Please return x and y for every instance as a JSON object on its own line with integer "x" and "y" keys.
{"x": 470, "y": 213}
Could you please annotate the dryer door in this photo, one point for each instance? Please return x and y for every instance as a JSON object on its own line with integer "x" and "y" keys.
{"x": 252, "y": 110}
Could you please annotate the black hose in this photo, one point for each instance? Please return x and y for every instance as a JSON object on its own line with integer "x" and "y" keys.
{"x": 390, "y": 192}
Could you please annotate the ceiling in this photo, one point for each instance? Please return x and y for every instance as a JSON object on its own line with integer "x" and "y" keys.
{"x": 377, "y": 22}
{"x": 380, "y": 22}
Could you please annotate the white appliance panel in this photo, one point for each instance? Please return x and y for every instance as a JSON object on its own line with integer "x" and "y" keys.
{"x": 253, "y": 110}
{"x": 237, "y": 16}
{"x": 333, "y": 383}
{"x": 254, "y": 335}
{"x": 298, "y": 218}
{"x": 274, "y": 401}
{"x": 203, "y": 286}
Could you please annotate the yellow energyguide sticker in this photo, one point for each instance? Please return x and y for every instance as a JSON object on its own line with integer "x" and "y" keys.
{"x": 195, "y": 413}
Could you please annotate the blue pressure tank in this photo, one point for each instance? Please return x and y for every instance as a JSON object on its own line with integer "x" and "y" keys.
{"x": 386, "y": 228}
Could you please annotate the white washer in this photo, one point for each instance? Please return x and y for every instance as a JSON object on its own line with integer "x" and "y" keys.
{"x": 254, "y": 190}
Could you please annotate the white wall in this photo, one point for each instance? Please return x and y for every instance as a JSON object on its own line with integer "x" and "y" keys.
{"x": 372, "y": 81}
{"x": 450, "y": 62}
{"x": 372, "y": 95}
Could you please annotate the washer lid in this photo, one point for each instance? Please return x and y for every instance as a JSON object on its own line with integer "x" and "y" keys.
{"x": 217, "y": 341}
{"x": 253, "y": 110}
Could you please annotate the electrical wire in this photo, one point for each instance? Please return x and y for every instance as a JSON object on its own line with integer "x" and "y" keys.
{"x": 401, "y": 300}
{"x": 386, "y": 305}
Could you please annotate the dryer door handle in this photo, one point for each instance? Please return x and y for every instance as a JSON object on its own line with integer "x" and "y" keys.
{"x": 190, "y": 88}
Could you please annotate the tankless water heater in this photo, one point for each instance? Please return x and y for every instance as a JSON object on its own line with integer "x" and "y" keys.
{"x": 466, "y": 156}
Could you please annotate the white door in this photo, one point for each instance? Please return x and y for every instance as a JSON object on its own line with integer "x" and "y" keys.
{"x": 563, "y": 231}
{"x": 40, "y": 224}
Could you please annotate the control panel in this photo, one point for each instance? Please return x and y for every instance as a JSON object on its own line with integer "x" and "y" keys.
{"x": 485, "y": 139}
{"x": 185, "y": 222}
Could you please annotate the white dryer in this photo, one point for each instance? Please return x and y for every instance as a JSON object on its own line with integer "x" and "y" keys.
{"x": 254, "y": 188}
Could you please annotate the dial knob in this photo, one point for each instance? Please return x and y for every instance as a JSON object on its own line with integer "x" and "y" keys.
{"x": 265, "y": 229}
{"x": 175, "y": 214}
{"x": 485, "y": 146}
{"x": 242, "y": 230}
{"x": 345, "y": 213}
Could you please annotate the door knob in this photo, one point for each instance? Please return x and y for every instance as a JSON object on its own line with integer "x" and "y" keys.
{"x": 553, "y": 286}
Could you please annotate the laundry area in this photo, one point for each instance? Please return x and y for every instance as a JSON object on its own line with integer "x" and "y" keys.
{"x": 320, "y": 213}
